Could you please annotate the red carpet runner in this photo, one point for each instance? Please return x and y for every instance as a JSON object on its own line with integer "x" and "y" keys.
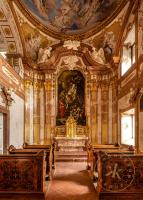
{"x": 71, "y": 182}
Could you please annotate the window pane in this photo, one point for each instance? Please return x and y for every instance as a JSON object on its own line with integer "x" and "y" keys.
{"x": 128, "y": 51}
{"x": 126, "y": 60}
{"x": 128, "y": 129}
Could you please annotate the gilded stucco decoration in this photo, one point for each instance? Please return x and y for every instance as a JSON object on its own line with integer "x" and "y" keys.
{"x": 71, "y": 61}
{"x": 69, "y": 44}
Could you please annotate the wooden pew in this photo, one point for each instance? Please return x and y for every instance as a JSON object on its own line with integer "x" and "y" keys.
{"x": 109, "y": 149}
{"x": 120, "y": 176}
{"x": 49, "y": 150}
{"x": 22, "y": 176}
{"x": 44, "y": 147}
{"x": 92, "y": 151}
{"x": 28, "y": 149}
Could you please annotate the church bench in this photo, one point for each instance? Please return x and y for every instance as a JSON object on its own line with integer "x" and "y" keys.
{"x": 109, "y": 149}
{"x": 120, "y": 176}
{"x": 22, "y": 176}
{"x": 49, "y": 149}
{"x": 92, "y": 151}
{"x": 33, "y": 149}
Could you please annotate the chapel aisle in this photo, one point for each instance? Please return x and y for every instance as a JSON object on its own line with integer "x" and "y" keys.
{"x": 71, "y": 182}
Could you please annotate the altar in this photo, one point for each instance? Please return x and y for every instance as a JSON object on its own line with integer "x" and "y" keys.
{"x": 71, "y": 137}
{"x": 71, "y": 144}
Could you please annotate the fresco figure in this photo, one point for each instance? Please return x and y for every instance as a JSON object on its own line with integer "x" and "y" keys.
{"x": 72, "y": 15}
{"x": 32, "y": 45}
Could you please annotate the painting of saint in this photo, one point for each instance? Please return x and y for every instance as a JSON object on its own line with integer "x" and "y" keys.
{"x": 72, "y": 15}
{"x": 71, "y": 97}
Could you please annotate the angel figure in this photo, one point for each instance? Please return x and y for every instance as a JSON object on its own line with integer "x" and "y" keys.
{"x": 44, "y": 54}
{"x": 98, "y": 56}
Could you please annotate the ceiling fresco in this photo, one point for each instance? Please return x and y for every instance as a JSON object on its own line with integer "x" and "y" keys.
{"x": 72, "y": 16}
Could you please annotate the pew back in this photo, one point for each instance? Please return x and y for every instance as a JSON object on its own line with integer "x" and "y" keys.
{"x": 120, "y": 175}
{"x": 50, "y": 156}
{"x": 33, "y": 149}
{"x": 22, "y": 174}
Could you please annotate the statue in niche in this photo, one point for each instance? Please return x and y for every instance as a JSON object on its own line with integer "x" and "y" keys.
{"x": 71, "y": 127}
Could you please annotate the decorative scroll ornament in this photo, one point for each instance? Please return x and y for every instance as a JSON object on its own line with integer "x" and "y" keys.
{"x": 71, "y": 44}
{"x": 71, "y": 61}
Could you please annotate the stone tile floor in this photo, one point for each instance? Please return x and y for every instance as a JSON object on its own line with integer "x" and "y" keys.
{"x": 71, "y": 182}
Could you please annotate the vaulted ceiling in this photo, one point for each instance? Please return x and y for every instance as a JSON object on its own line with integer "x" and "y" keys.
{"x": 67, "y": 17}
{"x": 29, "y": 27}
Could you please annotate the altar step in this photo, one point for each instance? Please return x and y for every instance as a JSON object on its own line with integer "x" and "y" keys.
{"x": 75, "y": 156}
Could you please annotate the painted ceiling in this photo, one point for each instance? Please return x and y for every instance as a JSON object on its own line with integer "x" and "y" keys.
{"x": 72, "y": 16}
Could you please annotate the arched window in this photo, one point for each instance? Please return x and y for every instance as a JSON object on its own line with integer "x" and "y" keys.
{"x": 128, "y": 51}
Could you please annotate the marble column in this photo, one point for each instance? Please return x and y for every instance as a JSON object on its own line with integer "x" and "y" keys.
{"x": 36, "y": 112}
{"x": 115, "y": 136}
{"x": 110, "y": 116}
{"x": 48, "y": 109}
{"x": 114, "y": 114}
{"x": 94, "y": 112}
{"x": 87, "y": 106}
{"x": 28, "y": 118}
{"x": 42, "y": 113}
{"x": 99, "y": 114}
{"x": 104, "y": 114}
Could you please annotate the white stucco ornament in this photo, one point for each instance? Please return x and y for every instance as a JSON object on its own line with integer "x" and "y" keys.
{"x": 71, "y": 44}
{"x": 44, "y": 54}
{"x": 98, "y": 56}
{"x": 71, "y": 61}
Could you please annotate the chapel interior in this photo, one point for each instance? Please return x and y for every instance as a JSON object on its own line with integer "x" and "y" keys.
{"x": 71, "y": 99}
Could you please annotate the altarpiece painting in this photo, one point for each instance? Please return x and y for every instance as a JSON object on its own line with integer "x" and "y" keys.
{"x": 71, "y": 97}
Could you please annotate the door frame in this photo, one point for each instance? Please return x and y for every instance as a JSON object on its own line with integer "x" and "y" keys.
{"x": 5, "y": 128}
